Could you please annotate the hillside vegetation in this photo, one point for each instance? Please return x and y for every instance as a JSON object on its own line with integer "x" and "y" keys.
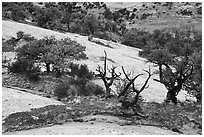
{"x": 140, "y": 62}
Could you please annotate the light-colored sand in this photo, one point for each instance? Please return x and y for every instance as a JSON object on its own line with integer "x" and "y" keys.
{"x": 18, "y": 101}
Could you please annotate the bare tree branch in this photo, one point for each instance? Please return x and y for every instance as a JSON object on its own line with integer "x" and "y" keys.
{"x": 131, "y": 81}
{"x": 149, "y": 75}
{"x": 108, "y": 81}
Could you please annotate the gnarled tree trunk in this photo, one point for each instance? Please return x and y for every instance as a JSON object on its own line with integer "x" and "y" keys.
{"x": 48, "y": 67}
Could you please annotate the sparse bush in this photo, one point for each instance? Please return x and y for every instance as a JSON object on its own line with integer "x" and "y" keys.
{"x": 11, "y": 41}
{"x": 94, "y": 89}
{"x": 61, "y": 90}
{"x": 5, "y": 61}
{"x": 14, "y": 11}
{"x": 135, "y": 38}
{"x": 84, "y": 87}
{"x": 33, "y": 76}
{"x": 107, "y": 35}
{"x": 81, "y": 84}
{"x": 81, "y": 77}
{"x": 6, "y": 47}
{"x": 75, "y": 26}
{"x": 25, "y": 67}
{"x": 19, "y": 66}
{"x": 90, "y": 24}
{"x": 101, "y": 35}
{"x": 130, "y": 96}
{"x": 26, "y": 37}
{"x": 80, "y": 71}
{"x": 10, "y": 44}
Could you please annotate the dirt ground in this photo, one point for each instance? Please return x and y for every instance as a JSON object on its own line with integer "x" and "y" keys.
{"x": 96, "y": 125}
{"x": 18, "y": 101}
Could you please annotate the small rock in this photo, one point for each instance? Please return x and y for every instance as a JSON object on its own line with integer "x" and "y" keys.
{"x": 176, "y": 130}
{"x": 48, "y": 96}
{"x": 78, "y": 120}
{"x": 128, "y": 123}
{"x": 93, "y": 119}
{"x": 109, "y": 121}
{"x": 121, "y": 124}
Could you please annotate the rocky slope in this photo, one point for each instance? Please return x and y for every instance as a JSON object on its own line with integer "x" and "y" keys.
{"x": 118, "y": 55}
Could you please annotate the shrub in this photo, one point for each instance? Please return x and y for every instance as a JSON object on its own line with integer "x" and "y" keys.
{"x": 135, "y": 38}
{"x": 107, "y": 36}
{"x": 26, "y": 67}
{"x": 90, "y": 24}
{"x": 84, "y": 87}
{"x": 75, "y": 26}
{"x": 94, "y": 89}
{"x": 80, "y": 84}
{"x": 19, "y": 66}
{"x": 61, "y": 90}
{"x": 10, "y": 44}
{"x": 6, "y": 47}
{"x": 14, "y": 11}
{"x": 26, "y": 37}
{"x": 33, "y": 77}
{"x": 5, "y": 61}
{"x": 101, "y": 35}
{"x": 81, "y": 77}
{"x": 80, "y": 71}
{"x": 51, "y": 51}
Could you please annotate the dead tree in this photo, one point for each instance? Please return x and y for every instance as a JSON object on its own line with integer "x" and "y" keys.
{"x": 126, "y": 91}
{"x": 107, "y": 80}
{"x": 174, "y": 81}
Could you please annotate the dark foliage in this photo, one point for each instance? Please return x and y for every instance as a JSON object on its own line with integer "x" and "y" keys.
{"x": 14, "y": 10}
{"x": 6, "y": 47}
{"x": 26, "y": 37}
{"x": 81, "y": 71}
{"x": 10, "y": 44}
{"x": 49, "y": 50}
{"x": 25, "y": 67}
{"x": 90, "y": 24}
{"x": 61, "y": 90}
{"x": 135, "y": 38}
{"x": 65, "y": 16}
{"x": 37, "y": 117}
{"x": 177, "y": 48}
{"x": 85, "y": 88}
